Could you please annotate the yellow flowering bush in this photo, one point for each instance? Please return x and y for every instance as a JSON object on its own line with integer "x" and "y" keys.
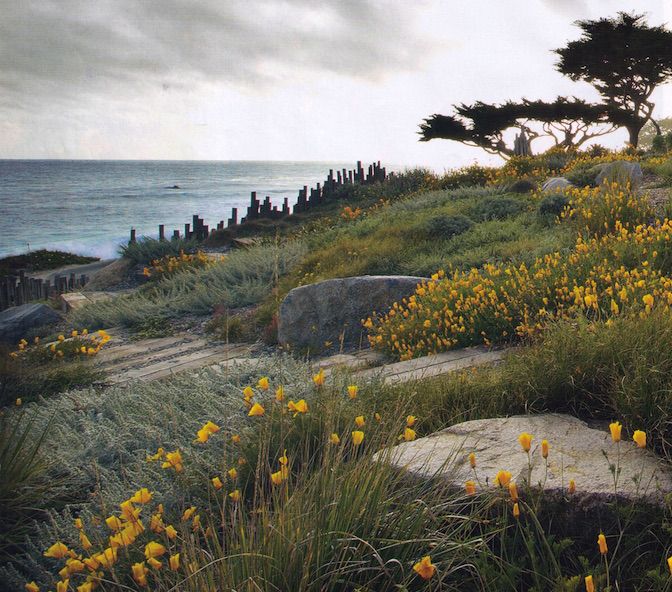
{"x": 169, "y": 265}
{"x": 78, "y": 344}
{"x": 627, "y": 266}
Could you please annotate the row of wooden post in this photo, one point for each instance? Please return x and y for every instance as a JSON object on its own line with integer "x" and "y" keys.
{"x": 17, "y": 290}
{"x": 307, "y": 199}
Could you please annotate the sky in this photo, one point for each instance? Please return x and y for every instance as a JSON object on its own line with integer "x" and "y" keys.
{"x": 324, "y": 80}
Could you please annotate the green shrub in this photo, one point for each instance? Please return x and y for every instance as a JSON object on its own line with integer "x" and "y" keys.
{"x": 658, "y": 144}
{"x": 145, "y": 250}
{"x": 447, "y": 226}
{"x": 551, "y": 206}
{"x": 522, "y": 186}
{"x": 496, "y": 208}
{"x": 583, "y": 176}
{"x": 470, "y": 176}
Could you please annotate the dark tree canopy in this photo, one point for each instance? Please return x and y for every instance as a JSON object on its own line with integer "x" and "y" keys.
{"x": 570, "y": 122}
{"x": 622, "y": 57}
{"x": 625, "y": 60}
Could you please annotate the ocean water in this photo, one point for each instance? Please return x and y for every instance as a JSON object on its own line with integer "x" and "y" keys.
{"x": 89, "y": 207}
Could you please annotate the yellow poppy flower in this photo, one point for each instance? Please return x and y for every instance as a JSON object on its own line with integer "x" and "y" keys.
{"x": 544, "y": 448}
{"x": 640, "y": 438}
{"x": 590, "y": 587}
{"x": 513, "y": 491}
{"x": 502, "y": 478}
{"x": 280, "y": 394}
{"x": 174, "y": 562}
{"x": 32, "y": 587}
{"x": 188, "y": 513}
{"x": 276, "y": 478}
{"x": 410, "y": 420}
{"x": 571, "y": 488}
{"x": 235, "y": 439}
{"x": 140, "y": 572}
{"x": 232, "y": 473}
{"x": 142, "y": 496}
{"x": 173, "y": 460}
{"x": 352, "y": 391}
{"x": 318, "y": 379}
{"x": 256, "y": 410}
{"x": 360, "y": 421}
{"x": 357, "y": 437}
{"x": 470, "y": 487}
{"x": 154, "y": 563}
{"x": 472, "y": 460}
{"x": 235, "y": 495}
{"x": 409, "y": 435}
{"x": 154, "y": 549}
{"x": 263, "y": 383}
{"x": 334, "y": 439}
{"x": 84, "y": 541}
{"x": 248, "y": 393}
{"x": 171, "y": 533}
{"x": 602, "y": 544}
{"x": 425, "y": 568}
{"x": 217, "y": 483}
{"x": 615, "y": 429}
{"x": 56, "y": 551}
{"x": 516, "y": 511}
{"x": 525, "y": 440}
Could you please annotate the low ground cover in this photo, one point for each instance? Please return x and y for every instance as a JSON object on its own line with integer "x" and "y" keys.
{"x": 41, "y": 260}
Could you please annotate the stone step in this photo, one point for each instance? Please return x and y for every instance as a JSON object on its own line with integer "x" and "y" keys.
{"x": 191, "y": 360}
{"x": 110, "y": 354}
{"x": 430, "y": 366}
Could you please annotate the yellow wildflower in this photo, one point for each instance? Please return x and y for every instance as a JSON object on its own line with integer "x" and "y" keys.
{"x": 669, "y": 564}
{"x": 640, "y": 438}
{"x": 142, "y": 496}
{"x": 217, "y": 483}
{"x": 276, "y": 478}
{"x": 235, "y": 439}
{"x": 280, "y": 394}
{"x": 352, "y": 391}
{"x": 470, "y": 487}
{"x": 502, "y": 478}
{"x": 648, "y": 300}
{"x": 154, "y": 563}
{"x": 472, "y": 460}
{"x": 108, "y": 557}
{"x": 232, "y": 473}
{"x": 298, "y": 407}
{"x": 544, "y": 448}
{"x": 318, "y": 378}
{"x": 602, "y": 544}
{"x": 615, "y": 429}
{"x": 84, "y": 541}
{"x": 410, "y": 420}
{"x": 173, "y": 460}
{"x": 171, "y": 533}
{"x": 590, "y": 587}
{"x": 425, "y": 568}
{"x": 571, "y": 488}
{"x": 154, "y": 549}
{"x": 525, "y": 440}
{"x": 57, "y": 551}
{"x": 174, "y": 562}
{"x": 516, "y": 511}
{"x": 235, "y": 495}
{"x": 334, "y": 439}
{"x": 263, "y": 383}
{"x": 188, "y": 513}
{"x": 140, "y": 572}
{"x": 513, "y": 491}
{"x": 256, "y": 411}
{"x": 409, "y": 434}
{"x": 32, "y": 587}
{"x": 61, "y": 338}
{"x": 18, "y": 402}
{"x": 248, "y": 393}
{"x": 357, "y": 437}
{"x": 360, "y": 421}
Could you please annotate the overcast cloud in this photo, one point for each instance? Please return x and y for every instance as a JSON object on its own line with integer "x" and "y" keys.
{"x": 260, "y": 79}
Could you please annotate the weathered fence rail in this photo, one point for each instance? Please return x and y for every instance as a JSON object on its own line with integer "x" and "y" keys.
{"x": 307, "y": 199}
{"x": 20, "y": 289}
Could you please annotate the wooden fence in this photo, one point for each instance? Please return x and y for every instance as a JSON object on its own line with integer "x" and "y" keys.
{"x": 307, "y": 199}
{"x": 20, "y": 289}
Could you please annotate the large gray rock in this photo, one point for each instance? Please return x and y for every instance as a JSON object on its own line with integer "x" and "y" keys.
{"x": 621, "y": 171}
{"x": 15, "y": 322}
{"x": 334, "y": 309}
{"x": 555, "y": 184}
{"x": 576, "y": 452}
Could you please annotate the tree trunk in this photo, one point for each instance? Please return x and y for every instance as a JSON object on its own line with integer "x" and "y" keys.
{"x": 633, "y": 132}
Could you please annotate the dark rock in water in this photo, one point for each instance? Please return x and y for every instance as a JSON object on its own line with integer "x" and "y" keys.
{"x": 174, "y": 187}
{"x": 333, "y": 310}
{"x": 17, "y": 320}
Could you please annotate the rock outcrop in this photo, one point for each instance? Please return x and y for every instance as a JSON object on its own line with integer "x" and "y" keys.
{"x": 15, "y": 322}
{"x": 576, "y": 452}
{"x": 555, "y": 184}
{"x": 620, "y": 170}
{"x": 332, "y": 310}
